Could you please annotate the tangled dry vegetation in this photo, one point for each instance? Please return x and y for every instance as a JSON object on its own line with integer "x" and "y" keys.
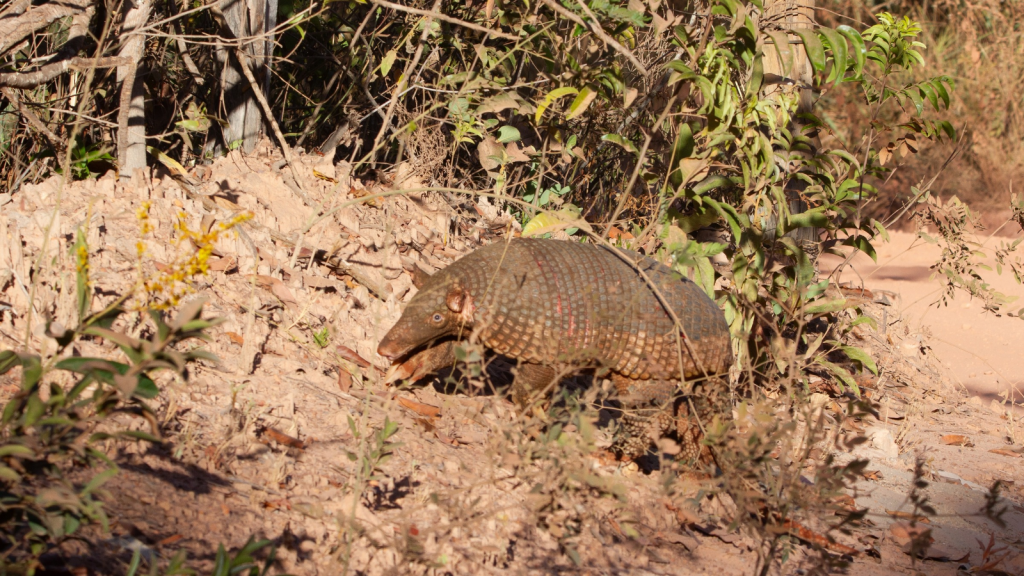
{"x": 291, "y": 436}
{"x": 189, "y": 350}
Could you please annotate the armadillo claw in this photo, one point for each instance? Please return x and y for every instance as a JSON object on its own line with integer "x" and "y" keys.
{"x": 422, "y": 363}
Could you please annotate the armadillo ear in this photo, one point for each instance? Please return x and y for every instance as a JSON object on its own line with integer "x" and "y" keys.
{"x": 456, "y": 298}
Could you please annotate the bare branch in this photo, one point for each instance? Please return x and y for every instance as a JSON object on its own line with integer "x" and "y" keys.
{"x": 449, "y": 19}
{"x": 50, "y": 71}
{"x": 15, "y": 25}
{"x": 598, "y": 30}
{"x": 190, "y": 65}
{"x": 243, "y": 59}
{"x": 34, "y": 120}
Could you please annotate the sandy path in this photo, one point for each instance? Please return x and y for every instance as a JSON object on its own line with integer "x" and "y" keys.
{"x": 983, "y": 352}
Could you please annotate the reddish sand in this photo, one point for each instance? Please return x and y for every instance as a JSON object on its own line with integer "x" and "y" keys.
{"x": 982, "y": 351}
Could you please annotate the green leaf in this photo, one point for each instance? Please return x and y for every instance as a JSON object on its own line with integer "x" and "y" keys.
{"x": 387, "y": 62}
{"x": 680, "y": 72}
{"x": 846, "y": 156}
{"x": 863, "y": 244}
{"x": 98, "y": 480}
{"x": 16, "y": 450}
{"x": 8, "y": 360}
{"x": 827, "y": 306}
{"x": 682, "y": 149}
{"x": 948, "y": 129}
{"x": 146, "y": 388}
{"x": 929, "y": 93}
{"x": 864, "y": 320}
{"x": 136, "y": 561}
{"x": 9, "y": 474}
{"x": 83, "y": 291}
{"x": 858, "y": 355}
{"x": 756, "y": 78}
{"x": 815, "y": 52}
{"x": 783, "y": 50}
{"x": 710, "y": 183}
{"x": 813, "y": 218}
{"x": 702, "y": 217}
{"x": 194, "y": 124}
{"x": 550, "y": 98}
{"x": 581, "y": 102}
{"x": 122, "y": 340}
{"x": 839, "y": 58}
{"x": 859, "y": 51}
{"x": 88, "y": 365}
{"x": 941, "y": 91}
{"x": 34, "y": 409}
{"x": 915, "y": 97}
{"x": 730, "y": 5}
{"x": 508, "y": 134}
{"x": 841, "y": 373}
{"x": 621, "y": 141}
{"x": 31, "y": 370}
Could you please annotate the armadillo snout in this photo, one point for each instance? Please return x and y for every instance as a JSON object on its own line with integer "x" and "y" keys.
{"x": 389, "y": 348}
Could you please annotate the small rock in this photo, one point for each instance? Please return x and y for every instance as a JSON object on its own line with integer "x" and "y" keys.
{"x": 881, "y": 439}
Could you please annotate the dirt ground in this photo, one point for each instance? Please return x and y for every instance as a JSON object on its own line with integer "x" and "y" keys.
{"x": 271, "y": 441}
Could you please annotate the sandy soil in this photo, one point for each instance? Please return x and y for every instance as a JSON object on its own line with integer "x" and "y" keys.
{"x": 982, "y": 352}
{"x": 259, "y": 444}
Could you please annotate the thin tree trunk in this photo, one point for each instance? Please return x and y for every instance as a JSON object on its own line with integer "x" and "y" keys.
{"x": 789, "y": 15}
{"x": 246, "y": 19}
{"x": 131, "y": 117}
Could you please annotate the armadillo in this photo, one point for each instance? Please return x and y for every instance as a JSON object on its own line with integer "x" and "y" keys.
{"x": 554, "y": 304}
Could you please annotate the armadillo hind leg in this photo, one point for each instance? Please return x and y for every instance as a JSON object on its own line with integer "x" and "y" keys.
{"x": 646, "y": 413}
{"x": 657, "y": 408}
{"x": 696, "y": 410}
{"x": 532, "y": 382}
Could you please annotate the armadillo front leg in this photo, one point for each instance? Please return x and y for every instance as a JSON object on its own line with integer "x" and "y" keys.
{"x": 532, "y": 382}
{"x": 426, "y": 361}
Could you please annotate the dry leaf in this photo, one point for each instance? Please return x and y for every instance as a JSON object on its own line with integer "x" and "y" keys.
{"x": 515, "y": 154}
{"x": 170, "y": 540}
{"x": 1005, "y": 452}
{"x": 445, "y": 438}
{"x": 344, "y": 380}
{"x": 351, "y": 355}
{"x": 904, "y": 534}
{"x": 811, "y": 537}
{"x": 222, "y": 264}
{"x": 235, "y": 337}
{"x": 310, "y": 281}
{"x": 421, "y": 409}
{"x": 957, "y": 440}
{"x": 614, "y": 233}
{"x": 277, "y": 288}
{"x": 279, "y": 503}
{"x": 489, "y": 153}
{"x": 282, "y": 438}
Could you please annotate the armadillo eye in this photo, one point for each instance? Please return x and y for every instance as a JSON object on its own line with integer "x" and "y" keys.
{"x": 437, "y": 318}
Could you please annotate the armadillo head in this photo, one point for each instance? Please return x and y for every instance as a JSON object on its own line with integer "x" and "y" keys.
{"x": 441, "y": 308}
